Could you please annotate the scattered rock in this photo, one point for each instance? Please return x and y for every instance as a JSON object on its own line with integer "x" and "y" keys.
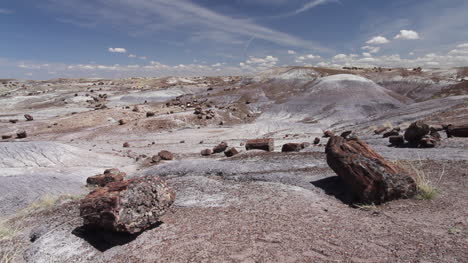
{"x": 416, "y": 131}
{"x": 150, "y": 114}
{"x": 328, "y": 134}
{"x": 380, "y": 130}
{"x": 231, "y": 152}
{"x": 13, "y": 121}
{"x": 368, "y": 175}
{"x": 136, "y": 109}
{"x": 122, "y": 122}
{"x": 291, "y": 147}
{"x": 457, "y": 130}
{"x": 428, "y": 142}
{"x": 130, "y": 206}
{"x": 21, "y": 135}
{"x": 182, "y": 141}
{"x": 396, "y": 140}
{"x": 126, "y": 145}
{"x": 109, "y": 176}
{"x": 305, "y": 145}
{"x": 260, "y": 144}
{"x": 391, "y": 133}
{"x": 220, "y": 147}
{"x": 346, "y": 134}
{"x": 28, "y": 117}
{"x": 6, "y": 137}
{"x": 206, "y": 152}
{"x": 316, "y": 140}
{"x": 37, "y": 233}
{"x": 155, "y": 159}
{"x": 166, "y": 155}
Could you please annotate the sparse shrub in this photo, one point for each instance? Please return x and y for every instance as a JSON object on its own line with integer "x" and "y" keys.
{"x": 45, "y": 202}
{"x": 6, "y": 231}
{"x": 366, "y": 207}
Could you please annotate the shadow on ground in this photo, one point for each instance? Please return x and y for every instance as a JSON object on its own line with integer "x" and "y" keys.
{"x": 335, "y": 187}
{"x": 103, "y": 240}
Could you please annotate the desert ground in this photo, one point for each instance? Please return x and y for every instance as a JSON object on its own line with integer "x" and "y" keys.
{"x": 256, "y": 206}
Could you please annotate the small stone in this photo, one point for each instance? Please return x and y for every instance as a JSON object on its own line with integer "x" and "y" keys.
{"x": 126, "y": 145}
{"x": 316, "y": 140}
{"x": 166, "y": 155}
{"x": 220, "y": 147}
{"x": 21, "y": 135}
{"x": 206, "y": 152}
{"x": 28, "y": 117}
{"x": 231, "y": 152}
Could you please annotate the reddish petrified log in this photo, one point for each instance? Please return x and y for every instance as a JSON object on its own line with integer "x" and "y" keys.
{"x": 129, "y": 206}
{"x": 291, "y": 147}
{"x": 368, "y": 175}
{"x": 260, "y": 144}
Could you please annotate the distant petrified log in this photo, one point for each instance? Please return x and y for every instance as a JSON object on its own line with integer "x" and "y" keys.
{"x": 206, "y": 152}
{"x": 220, "y": 147}
{"x": 122, "y": 122}
{"x": 380, "y": 130}
{"x": 416, "y": 131}
{"x": 396, "y": 140}
{"x": 231, "y": 152}
{"x": 291, "y": 147}
{"x": 457, "y": 130}
{"x": 28, "y": 117}
{"x": 129, "y": 206}
{"x": 21, "y": 135}
{"x": 260, "y": 144}
{"x": 126, "y": 145}
{"x": 13, "y": 121}
{"x": 5, "y": 137}
{"x": 368, "y": 175}
{"x": 166, "y": 155}
{"x": 109, "y": 176}
{"x": 150, "y": 114}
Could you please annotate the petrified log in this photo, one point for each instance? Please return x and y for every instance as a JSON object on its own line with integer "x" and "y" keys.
{"x": 260, "y": 144}
{"x": 231, "y": 152}
{"x": 428, "y": 142}
{"x": 5, "y": 137}
{"x": 457, "y": 130}
{"x": 328, "y": 134}
{"x": 166, "y": 155}
{"x": 109, "y": 176}
{"x": 416, "y": 131}
{"x": 150, "y": 114}
{"x": 129, "y": 206}
{"x": 220, "y": 147}
{"x": 368, "y": 175}
{"x": 291, "y": 147}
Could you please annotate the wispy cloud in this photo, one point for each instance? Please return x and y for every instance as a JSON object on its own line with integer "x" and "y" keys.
{"x": 160, "y": 14}
{"x": 117, "y": 50}
{"x": 4, "y": 11}
{"x": 311, "y": 5}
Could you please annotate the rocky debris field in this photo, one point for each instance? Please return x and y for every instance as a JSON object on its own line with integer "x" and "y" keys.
{"x": 290, "y": 165}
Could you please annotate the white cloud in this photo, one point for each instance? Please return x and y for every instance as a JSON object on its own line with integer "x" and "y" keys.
{"x": 302, "y": 59}
{"x": 407, "y": 35}
{"x": 117, "y": 50}
{"x": 371, "y": 49}
{"x": 291, "y": 52}
{"x": 378, "y": 40}
{"x": 132, "y": 56}
{"x": 365, "y": 54}
{"x": 143, "y": 58}
{"x": 463, "y": 46}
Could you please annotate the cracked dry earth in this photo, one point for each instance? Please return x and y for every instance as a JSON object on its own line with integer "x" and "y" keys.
{"x": 253, "y": 207}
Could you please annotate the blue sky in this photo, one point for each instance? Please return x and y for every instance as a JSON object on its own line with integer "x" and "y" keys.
{"x": 44, "y": 39}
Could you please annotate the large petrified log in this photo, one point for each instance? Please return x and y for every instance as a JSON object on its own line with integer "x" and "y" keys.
{"x": 109, "y": 176}
{"x": 129, "y": 206}
{"x": 260, "y": 144}
{"x": 369, "y": 176}
{"x": 291, "y": 147}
